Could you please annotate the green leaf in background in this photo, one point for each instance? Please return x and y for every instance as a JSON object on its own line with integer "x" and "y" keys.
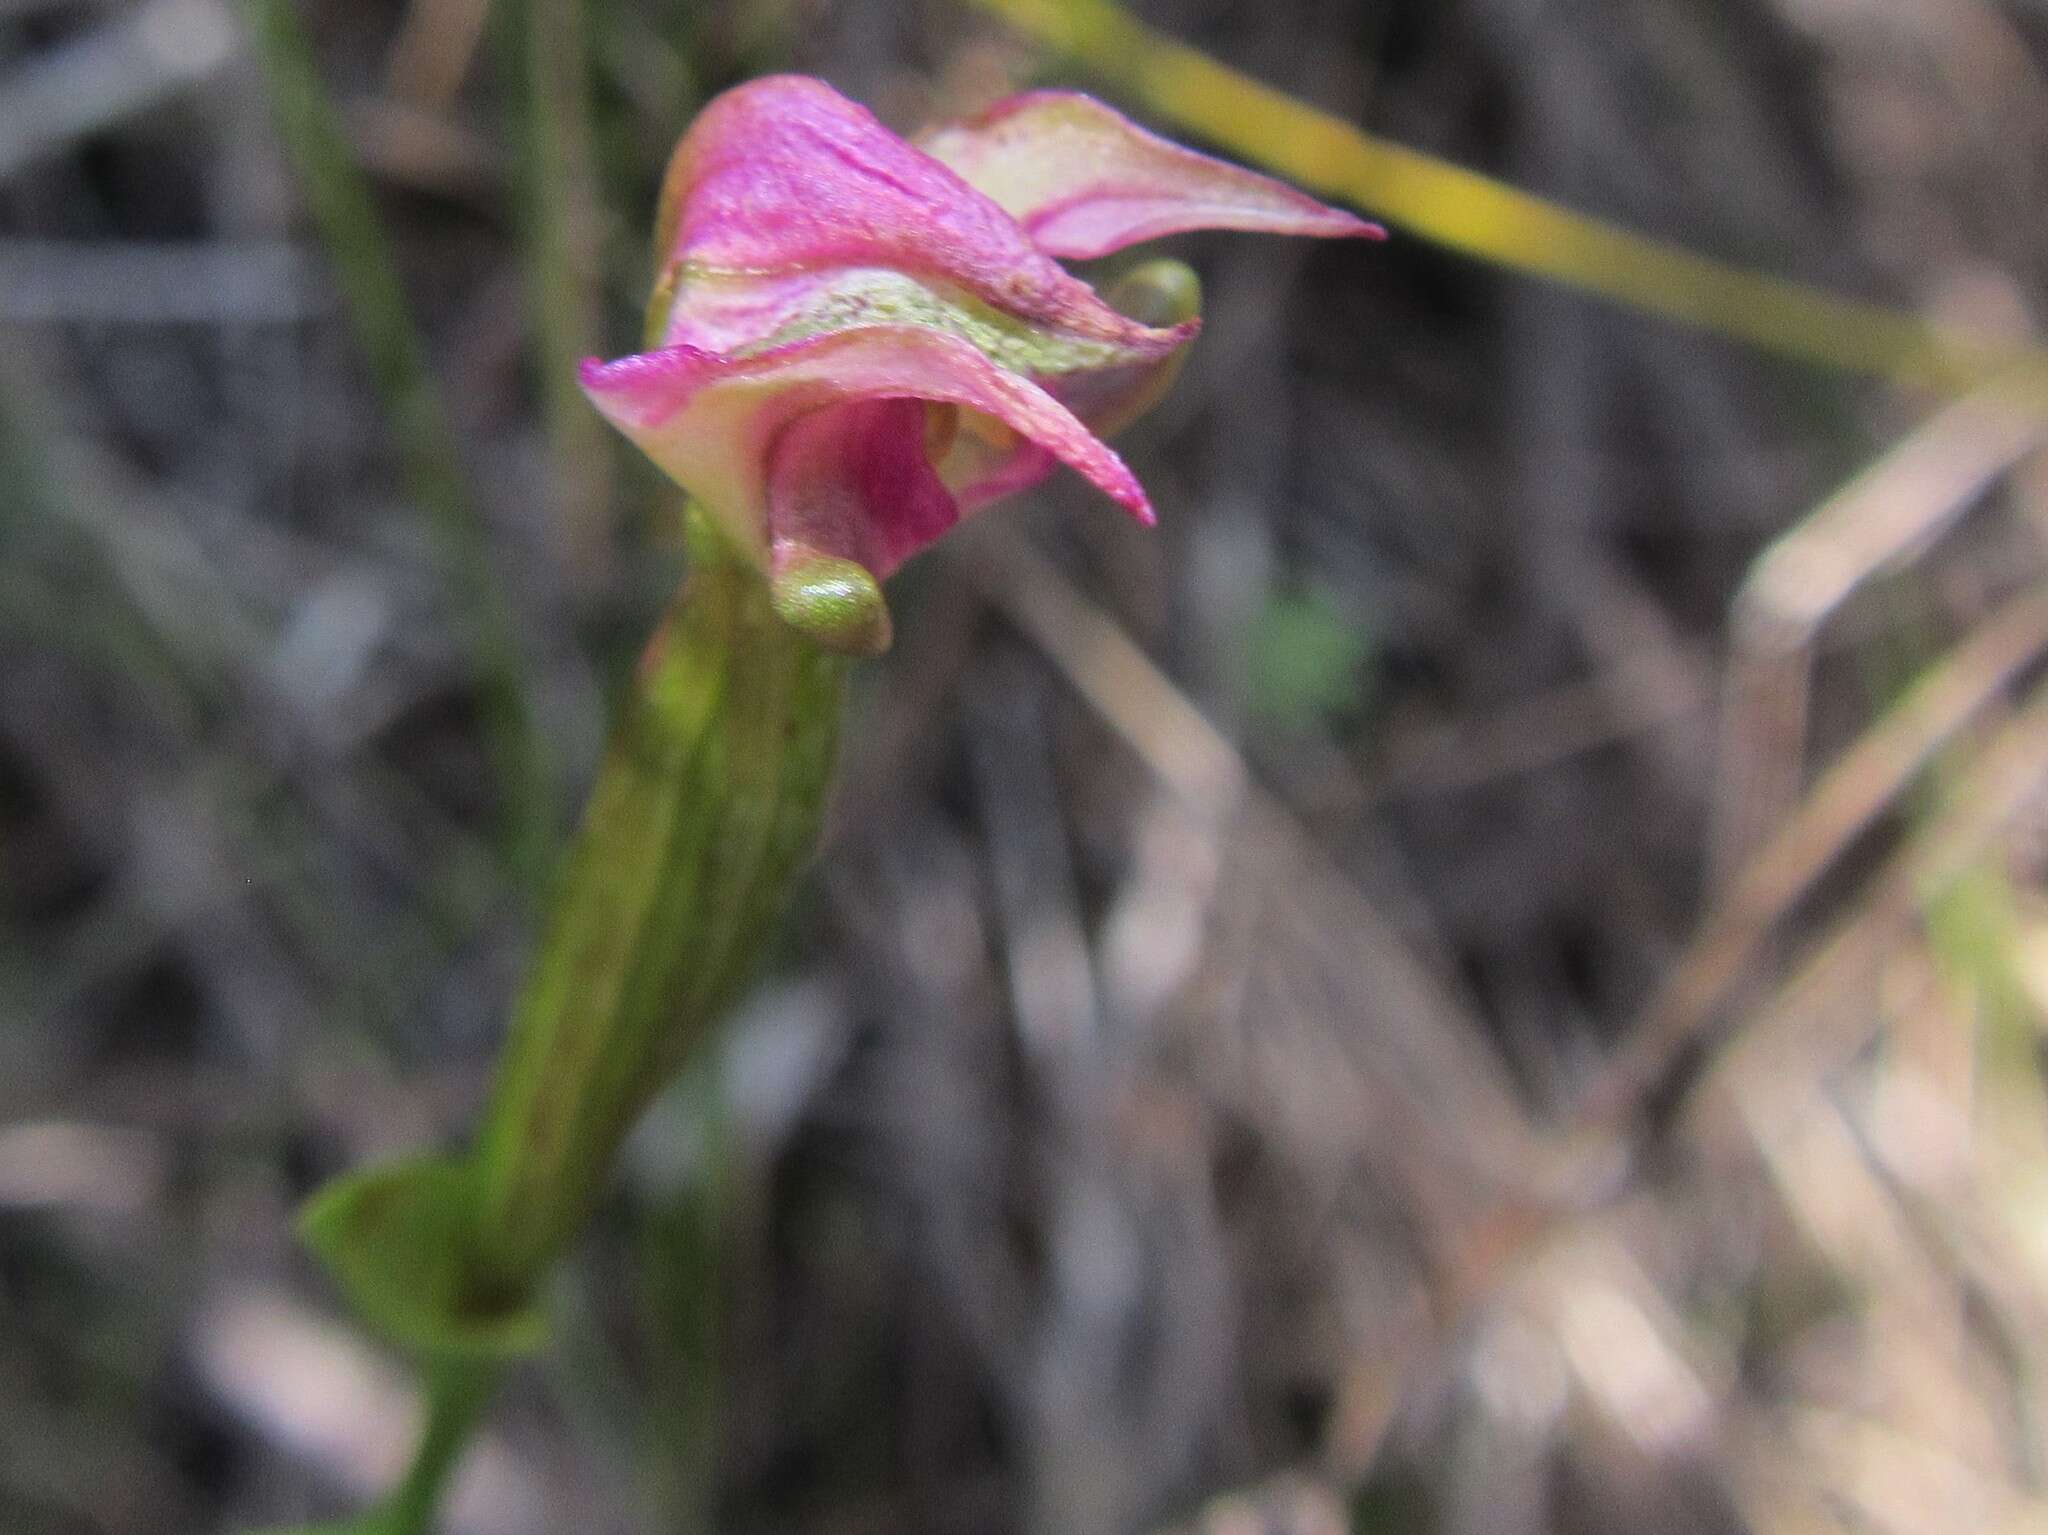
{"x": 1305, "y": 659}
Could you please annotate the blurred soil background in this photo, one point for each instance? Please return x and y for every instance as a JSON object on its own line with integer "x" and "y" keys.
{"x": 1488, "y": 977}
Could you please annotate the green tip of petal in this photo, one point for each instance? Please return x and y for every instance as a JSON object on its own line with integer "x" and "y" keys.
{"x": 836, "y": 603}
{"x": 1159, "y": 293}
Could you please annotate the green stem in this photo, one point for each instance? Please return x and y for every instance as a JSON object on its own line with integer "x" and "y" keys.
{"x": 708, "y": 800}
{"x": 458, "y": 1390}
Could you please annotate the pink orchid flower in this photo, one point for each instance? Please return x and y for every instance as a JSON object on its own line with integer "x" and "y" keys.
{"x": 864, "y": 339}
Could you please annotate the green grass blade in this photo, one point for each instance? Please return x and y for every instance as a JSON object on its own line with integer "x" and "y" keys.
{"x": 547, "y": 49}
{"x": 367, "y": 274}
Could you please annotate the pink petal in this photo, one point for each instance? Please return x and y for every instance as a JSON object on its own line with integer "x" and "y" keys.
{"x": 986, "y": 461}
{"x": 784, "y": 175}
{"x": 1084, "y": 180}
{"x": 712, "y": 421}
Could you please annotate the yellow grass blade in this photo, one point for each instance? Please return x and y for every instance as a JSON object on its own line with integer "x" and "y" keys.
{"x": 1486, "y": 219}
